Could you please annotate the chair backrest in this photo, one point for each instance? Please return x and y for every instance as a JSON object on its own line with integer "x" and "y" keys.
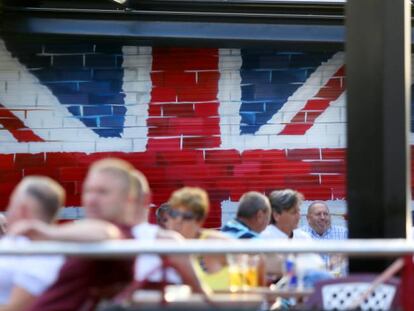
{"x": 343, "y": 293}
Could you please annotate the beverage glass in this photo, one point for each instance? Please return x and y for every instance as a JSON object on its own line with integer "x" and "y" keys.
{"x": 237, "y": 264}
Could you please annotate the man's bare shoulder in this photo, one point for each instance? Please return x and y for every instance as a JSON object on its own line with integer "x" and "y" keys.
{"x": 164, "y": 234}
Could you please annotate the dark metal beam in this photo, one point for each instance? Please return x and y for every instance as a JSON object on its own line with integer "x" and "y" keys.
{"x": 378, "y": 94}
{"x": 154, "y": 31}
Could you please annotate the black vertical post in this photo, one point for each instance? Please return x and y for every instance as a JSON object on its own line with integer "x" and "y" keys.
{"x": 378, "y": 94}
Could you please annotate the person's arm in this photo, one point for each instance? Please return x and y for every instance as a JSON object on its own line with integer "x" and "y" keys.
{"x": 182, "y": 263}
{"x": 20, "y": 299}
{"x": 85, "y": 230}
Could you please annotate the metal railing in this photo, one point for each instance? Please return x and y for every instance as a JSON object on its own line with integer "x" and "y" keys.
{"x": 129, "y": 248}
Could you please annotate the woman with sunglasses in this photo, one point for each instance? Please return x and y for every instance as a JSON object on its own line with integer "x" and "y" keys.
{"x": 188, "y": 210}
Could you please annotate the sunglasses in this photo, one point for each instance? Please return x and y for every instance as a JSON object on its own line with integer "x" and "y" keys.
{"x": 184, "y": 215}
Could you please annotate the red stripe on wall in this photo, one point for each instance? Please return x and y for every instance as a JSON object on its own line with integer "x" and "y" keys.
{"x": 184, "y": 99}
{"x": 16, "y": 127}
{"x": 315, "y": 106}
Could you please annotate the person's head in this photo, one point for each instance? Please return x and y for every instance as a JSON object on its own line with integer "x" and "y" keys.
{"x": 35, "y": 197}
{"x": 163, "y": 219}
{"x": 110, "y": 190}
{"x": 3, "y": 225}
{"x": 318, "y": 216}
{"x": 189, "y": 209}
{"x": 141, "y": 198}
{"x": 254, "y": 210}
{"x": 285, "y": 209}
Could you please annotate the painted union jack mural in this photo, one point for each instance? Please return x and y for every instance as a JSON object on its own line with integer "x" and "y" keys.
{"x": 228, "y": 120}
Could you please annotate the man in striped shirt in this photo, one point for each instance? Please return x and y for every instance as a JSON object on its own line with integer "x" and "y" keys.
{"x": 253, "y": 216}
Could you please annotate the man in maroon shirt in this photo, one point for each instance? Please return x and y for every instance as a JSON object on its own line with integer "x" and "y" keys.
{"x": 107, "y": 193}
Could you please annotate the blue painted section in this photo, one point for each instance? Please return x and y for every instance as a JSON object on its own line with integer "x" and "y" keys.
{"x": 88, "y": 82}
{"x": 268, "y": 78}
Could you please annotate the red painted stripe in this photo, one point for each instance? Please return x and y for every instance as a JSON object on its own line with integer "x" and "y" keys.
{"x": 183, "y": 112}
{"x": 16, "y": 127}
{"x": 315, "y": 106}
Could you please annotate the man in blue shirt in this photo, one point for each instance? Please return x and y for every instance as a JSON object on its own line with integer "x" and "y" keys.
{"x": 253, "y": 215}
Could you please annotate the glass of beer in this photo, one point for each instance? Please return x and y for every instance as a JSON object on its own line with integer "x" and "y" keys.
{"x": 236, "y": 271}
{"x": 251, "y": 275}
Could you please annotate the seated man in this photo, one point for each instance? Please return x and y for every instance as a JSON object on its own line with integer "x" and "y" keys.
{"x": 23, "y": 278}
{"x": 320, "y": 228}
{"x": 285, "y": 216}
{"x": 284, "y": 222}
{"x": 319, "y": 223}
{"x": 253, "y": 215}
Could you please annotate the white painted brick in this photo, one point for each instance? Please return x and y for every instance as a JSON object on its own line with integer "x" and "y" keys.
{"x": 287, "y": 141}
{"x": 224, "y": 95}
{"x": 130, "y": 50}
{"x": 14, "y": 148}
{"x": 336, "y": 128}
{"x": 5, "y": 136}
{"x": 130, "y": 98}
{"x": 68, "y": 123}
{"x": 137, "y": 61}
{"x": 130, "y": 120}
{"x": 130, "y": 74}
{"x": 235, "y": 130}
{"x": 233, "y": 142}
{"x": 143, "y": 75}
{"x": 87, "y": 147}
{"x": 21, "y": 114}
{"x": 225, "y": 120}
{"x": 257, "y": 141}
{"x": 318, "y": 130}
{"x": 27, "y": 77}
{"x": 137, "y": 86}
{"x": 139, "y": 144}
{"x": 145, "y": 50}
{"x": 45, "y": 147}
{"x": 45, "y": 99}
{"x": 135, "y": 132}
{"x": 225, "y": 130}
{"x": 342, "y": 141}
{"x": 328, "y": 140}
{"x": 227, "y": 110}
{"x": 137, "y": 110}
{"x": 52, "y": 123}
{"x": 39, "y": 115}
{"x": 9, "y": 75}
{"x": 114, "y": 145}
{"x": 331, "y": 115}
{"x": 65, "y": 134}
{"x": 43, "y": 133}
{"x": 5, "y": 64}
{"x": 224, "y": 52}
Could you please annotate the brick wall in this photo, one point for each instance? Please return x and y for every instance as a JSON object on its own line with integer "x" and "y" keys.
{"x": 228, "y": 120}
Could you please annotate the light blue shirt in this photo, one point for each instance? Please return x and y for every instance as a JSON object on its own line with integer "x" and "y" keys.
{"x": 333, "y": 233}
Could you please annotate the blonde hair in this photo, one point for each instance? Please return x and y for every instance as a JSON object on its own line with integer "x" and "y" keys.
{"x": 136, "y": 183}
{"x": 47, "y": 192}
{"x": 193, "y": 198}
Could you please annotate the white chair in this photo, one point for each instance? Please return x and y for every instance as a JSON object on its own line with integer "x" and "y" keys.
{"x": 346, "y": 293}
